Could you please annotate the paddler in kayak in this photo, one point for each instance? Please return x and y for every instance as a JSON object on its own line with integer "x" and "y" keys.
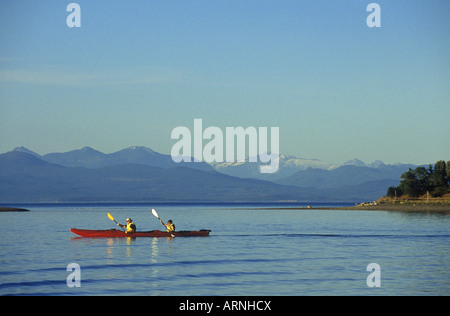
{"x": 131, "y": 227}
{"x": 170, "y": 227}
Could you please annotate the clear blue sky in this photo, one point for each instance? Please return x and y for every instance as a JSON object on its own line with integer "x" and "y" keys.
{"x": 135, "y": 70}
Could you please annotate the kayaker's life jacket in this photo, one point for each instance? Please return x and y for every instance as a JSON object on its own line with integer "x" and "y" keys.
{"x": 131, "y": 227}
{"x": 170, "y": 228}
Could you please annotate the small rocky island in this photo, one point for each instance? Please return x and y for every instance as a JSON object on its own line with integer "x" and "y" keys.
{"x": 13, "y": 209}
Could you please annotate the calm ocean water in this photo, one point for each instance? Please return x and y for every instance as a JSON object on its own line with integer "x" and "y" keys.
{"x": 250, "y": 252}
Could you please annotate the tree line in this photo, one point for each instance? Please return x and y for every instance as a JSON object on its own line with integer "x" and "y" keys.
{"x": 421, "y": 180}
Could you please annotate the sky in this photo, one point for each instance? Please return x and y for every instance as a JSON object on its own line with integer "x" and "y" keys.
{"x": 135, "y": 70}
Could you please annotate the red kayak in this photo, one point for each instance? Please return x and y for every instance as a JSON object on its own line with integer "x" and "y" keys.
{"x": 151, "y": 233}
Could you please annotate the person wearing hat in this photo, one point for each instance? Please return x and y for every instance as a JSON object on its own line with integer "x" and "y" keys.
{"x": 131, "y": 227}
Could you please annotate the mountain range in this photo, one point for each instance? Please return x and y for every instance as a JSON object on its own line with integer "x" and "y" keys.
{"x": 88, "y": 157}
{"x": 139, "y": 174}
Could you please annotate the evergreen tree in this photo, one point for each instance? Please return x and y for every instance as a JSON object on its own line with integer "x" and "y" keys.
{"x": 448, "y": 173}
{"x": 415, "y": 182}
{"x": 394, "y": 192}
{"x": 419, "y": 181}
{"x": 439, "y": 176}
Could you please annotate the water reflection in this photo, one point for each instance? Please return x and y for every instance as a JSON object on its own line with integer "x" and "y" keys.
{"x": 154, "y": 251}
{"x": 111, "y": 246}
{"x": 154, "y": 247}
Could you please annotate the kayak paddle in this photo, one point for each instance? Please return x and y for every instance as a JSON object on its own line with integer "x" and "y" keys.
{"x": 155, "y": 213}
{"x": 112, "y": 218}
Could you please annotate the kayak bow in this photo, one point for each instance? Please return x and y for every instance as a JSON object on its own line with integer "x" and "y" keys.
{"x": 151, "y": 233}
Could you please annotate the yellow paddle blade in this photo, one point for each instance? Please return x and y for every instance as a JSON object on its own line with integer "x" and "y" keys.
{"x": 110, "y": 217}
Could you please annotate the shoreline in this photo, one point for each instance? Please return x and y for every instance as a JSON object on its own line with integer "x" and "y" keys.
{"x": 396, "y": 207}
{"x": 408, "y": 208}
{"x": 432, "y": 208}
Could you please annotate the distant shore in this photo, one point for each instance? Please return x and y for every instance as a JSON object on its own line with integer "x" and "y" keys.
{"x": 441, "y": 208}
{"x": 410, "y": 206}
{"x": 13, "y": 209}
{"x": 424, "y": 203}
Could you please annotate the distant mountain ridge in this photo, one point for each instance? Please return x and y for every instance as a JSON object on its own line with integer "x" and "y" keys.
{"x": 88, "y": 157}
{"x": 347, "y": 175}
{"x": 26, "y": 178}
{"x": 290, "y": 165}
{"x": 139, "y": 173}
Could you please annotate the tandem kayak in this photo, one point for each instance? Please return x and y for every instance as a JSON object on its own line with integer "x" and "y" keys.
{"x": 151, "y": 233}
